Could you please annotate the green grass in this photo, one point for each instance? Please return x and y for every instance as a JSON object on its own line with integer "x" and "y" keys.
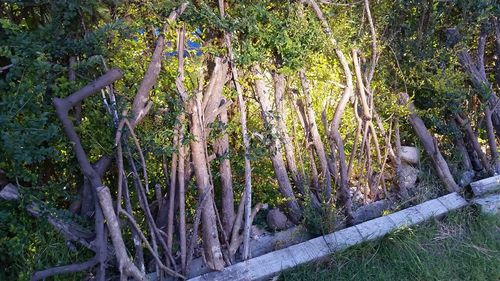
{"x": 464, "y": 246}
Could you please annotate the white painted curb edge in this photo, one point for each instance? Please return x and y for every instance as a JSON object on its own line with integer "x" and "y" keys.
{"x": 273, "y": 263}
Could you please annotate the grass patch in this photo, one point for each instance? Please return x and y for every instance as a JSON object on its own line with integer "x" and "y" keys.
{"x": 464, "y": 246}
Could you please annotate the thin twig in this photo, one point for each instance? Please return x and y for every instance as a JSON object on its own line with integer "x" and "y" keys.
{"x": 145, "y": 241}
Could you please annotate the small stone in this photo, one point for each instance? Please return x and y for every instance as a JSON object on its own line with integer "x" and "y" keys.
{"x": 9, "y": 192}
{"x": 466, "y": 178}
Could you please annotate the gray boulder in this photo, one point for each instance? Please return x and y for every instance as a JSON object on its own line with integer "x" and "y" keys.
{"x": 410, "y": 154}
{"x": 407, "y": 176}
{"x": 277, "y": 220}
{"x": 371, "y": 211}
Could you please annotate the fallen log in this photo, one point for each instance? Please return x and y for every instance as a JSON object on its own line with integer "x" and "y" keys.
{"x": 267, "y": 242}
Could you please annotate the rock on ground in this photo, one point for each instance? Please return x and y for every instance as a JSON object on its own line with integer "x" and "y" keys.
{"x": 410, "y": 154}
{"x": 277, "y": 220}
{"x": 407, "y": 176}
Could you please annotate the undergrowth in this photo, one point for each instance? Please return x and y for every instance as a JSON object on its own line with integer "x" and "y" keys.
{"x": 29, "y": 244}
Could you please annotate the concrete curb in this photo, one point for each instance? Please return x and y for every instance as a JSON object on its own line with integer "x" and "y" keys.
{"x": 485, "y": 186}
{"x": 489, "y": 204}
{"x": 273, "y": 263}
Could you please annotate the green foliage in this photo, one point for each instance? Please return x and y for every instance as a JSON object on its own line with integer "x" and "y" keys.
{"x": 319, "y": 222}
{"x": 38, "y": 43}
{"x": 29, "y": 244}
{"x": 272, "y": 31}
{"x": 39, "y": 37}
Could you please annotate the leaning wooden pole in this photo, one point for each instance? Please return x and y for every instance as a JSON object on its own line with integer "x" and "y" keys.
{"x": 142, "y": 104}
{"x": 179, "y": 81}
{"x": 246, "y": 140}
{"x": 430, "y": 145}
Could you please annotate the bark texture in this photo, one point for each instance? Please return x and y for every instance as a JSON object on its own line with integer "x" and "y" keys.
{"x": 274, "y": 145}
{"x": 211, "y": 246}
{"x": 316, "y": 138}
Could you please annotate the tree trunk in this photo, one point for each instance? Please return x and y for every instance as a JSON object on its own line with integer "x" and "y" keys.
{"x": 492, "y": 140}
{"x": 496, "y": 23}
{"x": 279, "y": 96}
{"x": 477, "y": 74}
{"x": 172, "y": 189}
{"x": 295, "y": 212}
{"x": 344, "y": 196}
{"x": 316, "y": 138}
{"x": 182, "y": 204}
{"x": 211, "y": 245}
{"x": 246, "y": 144}
{"x": 465, "y": 124}
{"x": 474, "y": 159}
{"x": 403, "y": 192}
{"x": 105, "y": 201}
{"x": 142, "y": 104}
{"x": 226, "y": 178}
{"x": 87, "y": 197}
{"x": 313, "y": 170}
{"x": 214, "y": 105}
{"x": 469, "y": 173}
{"x": 72, "y": 79}
{"x": 334, "y": 135}
{"x": 463, "y": 152}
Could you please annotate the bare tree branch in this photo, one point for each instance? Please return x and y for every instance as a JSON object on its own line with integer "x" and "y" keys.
{"x": 62, "y": 107}
{"x": 65, "y": 269}
{"x": 142, "y": 104}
